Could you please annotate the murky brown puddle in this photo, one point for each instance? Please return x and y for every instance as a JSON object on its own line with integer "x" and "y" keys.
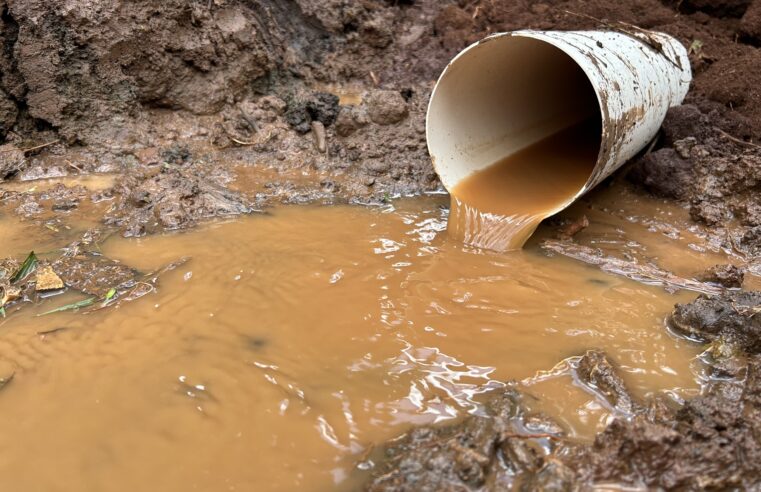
{"x": 293, "y": 342}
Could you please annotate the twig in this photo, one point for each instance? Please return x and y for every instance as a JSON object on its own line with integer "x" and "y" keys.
{"x": 51, "y": 331}
{"x": 737, "y": 140}
{"x": 71, "y": 164}
{"x": 241, "y": 142}
{"x": 33, "y": 148}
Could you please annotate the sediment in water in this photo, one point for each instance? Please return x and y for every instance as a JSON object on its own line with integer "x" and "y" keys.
{"x": 500, "y": 206}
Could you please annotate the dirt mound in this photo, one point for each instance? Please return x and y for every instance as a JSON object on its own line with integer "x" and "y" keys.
{"x": 716, "y": 173}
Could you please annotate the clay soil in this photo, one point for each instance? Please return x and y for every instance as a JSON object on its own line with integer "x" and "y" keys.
{"x": 214, "y": 108}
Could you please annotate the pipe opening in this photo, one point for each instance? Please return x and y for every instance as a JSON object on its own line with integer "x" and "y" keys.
{"x": 514, "y": 128}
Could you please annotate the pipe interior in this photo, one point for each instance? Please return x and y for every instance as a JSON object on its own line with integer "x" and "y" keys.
{"x": 501, "y": 96}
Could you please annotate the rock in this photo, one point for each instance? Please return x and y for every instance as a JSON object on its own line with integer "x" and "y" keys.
{"x": 320, "y": 106}
{"x": 732, "y": 318}
{"x": 148, "y": 156}
{"x": 9, "y": 293}
{"x": 684, "y": 146}
{"x": 350, "y": 120}
{"x": 664, "y": 173}
{"x": 273, "y": 103}
{"x": 726, "y": 275}
{"x": 318, "y": 131}
{"x": 573, "y": 227}
{"x": 298, "y": 117}
{"x": 46, "y": 279}
{"x": 386, "y": 107}
{"x": 323, "y": 107}
{"x": 12, "y": 160}
{"x": 597, "y": 373}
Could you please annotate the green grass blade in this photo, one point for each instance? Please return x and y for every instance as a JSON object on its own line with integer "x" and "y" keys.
{"x": 69, "y": 307}
{"x": 26, "y": 268}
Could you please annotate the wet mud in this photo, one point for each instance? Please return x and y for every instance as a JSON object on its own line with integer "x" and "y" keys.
{"x": 196, "y": 111}
{"x": 710, "y": 443}
{"x": 330, "y": 95}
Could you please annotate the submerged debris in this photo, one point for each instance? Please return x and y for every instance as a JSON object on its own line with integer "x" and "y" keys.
{"x": 107, "y": 282}
{"x": 172, "y": 199}
{"x": 94, "y": 274}
{"x": 649, "y": 274}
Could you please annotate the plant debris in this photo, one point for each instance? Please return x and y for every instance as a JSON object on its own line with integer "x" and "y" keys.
{"x": 27, "y": 267}
{"x": 46, "y": 279}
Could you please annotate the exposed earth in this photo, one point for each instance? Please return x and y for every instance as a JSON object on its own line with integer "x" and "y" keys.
{"x": 204, "y": 109}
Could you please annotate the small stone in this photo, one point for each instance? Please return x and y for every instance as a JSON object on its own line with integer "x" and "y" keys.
{"x": 320, "y": 140}
{"x": 386, "y": 107}
{"x": 47, "y": 279}
{"x": 347, "y": 123}
{"x": 726, "y": 275}
{"x": 684, "y": 146}
{"x": 273, "y": 103}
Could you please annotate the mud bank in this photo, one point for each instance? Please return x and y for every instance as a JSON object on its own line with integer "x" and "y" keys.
{"x": 711, "y": 442}
{"x": 320, "y": 101}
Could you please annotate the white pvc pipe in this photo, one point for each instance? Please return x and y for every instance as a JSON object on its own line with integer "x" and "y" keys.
{"x": 511, "y": 90}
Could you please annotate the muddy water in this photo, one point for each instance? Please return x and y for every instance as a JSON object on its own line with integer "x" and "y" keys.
{"x": 291, "y": 343}
{"x": 294, "y": 342}
{"x": 500, "y": 206}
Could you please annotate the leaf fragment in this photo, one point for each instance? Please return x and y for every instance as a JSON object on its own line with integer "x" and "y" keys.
{"x": 30, "y": 263}
{"x": 73, "y": 305}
